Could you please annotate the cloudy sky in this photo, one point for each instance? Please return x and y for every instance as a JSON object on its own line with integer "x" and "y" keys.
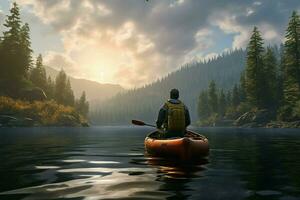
{"x": 133, "y": 42}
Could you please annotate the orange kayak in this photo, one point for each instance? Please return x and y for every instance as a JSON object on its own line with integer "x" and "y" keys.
{"x": 191, "y": 147}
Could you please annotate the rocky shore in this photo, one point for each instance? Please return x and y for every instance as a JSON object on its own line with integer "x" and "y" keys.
{"x": 256, "y": 119}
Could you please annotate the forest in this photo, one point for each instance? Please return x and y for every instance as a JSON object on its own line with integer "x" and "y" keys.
{"x": 268, "y": 92}
{"x": 190, "y": 79}
{"x": 24, "y": 81}
{"x": 258, "y": 86}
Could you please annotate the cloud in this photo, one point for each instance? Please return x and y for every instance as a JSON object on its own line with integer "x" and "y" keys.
{"x": 134, "y": 42}
{"x": 60, "y": 61}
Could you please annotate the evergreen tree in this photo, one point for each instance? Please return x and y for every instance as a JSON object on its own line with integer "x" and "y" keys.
{"x": 213, "y": 97}
{"x": 222, "y": 103}
{"x": 235, "y": 96}
{"x": 25, "y": 57}
{"x": 82, "y": 106}
{"x": 69, "y": 95}
{"x": 228, "y": 99}
{"x": 271, "y": 84}
{"x": 50, "y": 88}
{"x": 203, "y": 106}
{"x": 291, "y": 71}
{"x": 11, "y": 68}
{"x": 242, "y": 88}
{"x": 280, "y": 77}
{"x": 60, "y": 87}
{"x": 255, "y": 70}
{"x": 38, "y": 75}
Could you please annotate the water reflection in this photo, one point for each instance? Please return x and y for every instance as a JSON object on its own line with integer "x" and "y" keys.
{"x": 177, "y": 169}
{"x": 104, "y": 163}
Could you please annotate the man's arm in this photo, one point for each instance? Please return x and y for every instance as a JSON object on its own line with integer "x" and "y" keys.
{"x": 161, "y": 117}
{"x": 187, "y": 117}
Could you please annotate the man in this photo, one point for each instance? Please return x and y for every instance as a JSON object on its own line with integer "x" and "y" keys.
{"x": 173, "y": 117}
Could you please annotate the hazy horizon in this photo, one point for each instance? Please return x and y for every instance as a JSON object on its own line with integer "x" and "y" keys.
{"x": 134, "y": 42}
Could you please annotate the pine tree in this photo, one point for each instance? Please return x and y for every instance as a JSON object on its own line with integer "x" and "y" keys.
{"x": 82, "y": 106}
{"x": 228, "y": 99}
{"x": 50, "y": 88}
{"x": 60, "y": 87}
{"x": 25, "y": 56}
{"x": 271, "y": 84}
{"x": 222, "y": 103}
{"x": 291, "y": 66}
{"x": 203, "y": 106}
{"x": 255, "y": 70}
{"x": 38, "y": 74}
{"x": 11, "y": 67}
{"x": 69, "y": 95}
{"x": 235, "y": 96}
{"x": 280, "y": 77}
{"x": 242, "y": 87}
{"x": 213, "y": 97}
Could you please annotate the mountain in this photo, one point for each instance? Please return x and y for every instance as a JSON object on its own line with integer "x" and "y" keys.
{"x": 144, "y": 103}
{"x": 95, "y": 92}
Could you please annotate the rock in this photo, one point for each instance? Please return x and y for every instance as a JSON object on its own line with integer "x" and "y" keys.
{"x": 28, "y": 122}
{"x": 85, "y": 124}
{"x": 254, "y": 119}
{"x": 68, "y": 120}
{"x": 4, "y": 119}
{"x": 246, "y": 118}
{"x": 33, "y": 94}
{"x": 10, "y": 121}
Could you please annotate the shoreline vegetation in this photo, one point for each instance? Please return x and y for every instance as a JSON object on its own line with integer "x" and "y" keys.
{"x": 38, "y": 113}
{"x": 268, "y": 94}
{"x": 27, "y": 96}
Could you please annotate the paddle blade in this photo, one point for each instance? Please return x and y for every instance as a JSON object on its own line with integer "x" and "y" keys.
{"x": 138, "y": 123}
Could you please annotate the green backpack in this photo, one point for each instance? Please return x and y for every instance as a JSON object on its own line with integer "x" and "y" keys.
{"x": 176, "y": 117}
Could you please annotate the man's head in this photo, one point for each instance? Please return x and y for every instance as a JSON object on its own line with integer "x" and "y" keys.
{"x": 174, "y": 94}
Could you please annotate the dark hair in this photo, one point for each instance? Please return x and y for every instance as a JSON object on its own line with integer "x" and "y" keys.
{"x": 174, "y": 94}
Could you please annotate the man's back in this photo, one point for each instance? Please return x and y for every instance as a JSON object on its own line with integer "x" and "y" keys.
{"x": 174, "y": 117}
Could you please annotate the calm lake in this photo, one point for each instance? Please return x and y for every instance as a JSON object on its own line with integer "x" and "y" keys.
{"x": 109, "y": 163}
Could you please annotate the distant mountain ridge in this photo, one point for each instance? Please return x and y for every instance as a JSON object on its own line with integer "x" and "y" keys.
{"x": 144, "y": 103}
{"x": 95, "y": 92}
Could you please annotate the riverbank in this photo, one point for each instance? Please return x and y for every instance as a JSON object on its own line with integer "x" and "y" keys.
{"x": 18, "y": 113}
{"x": 251, "y": 119}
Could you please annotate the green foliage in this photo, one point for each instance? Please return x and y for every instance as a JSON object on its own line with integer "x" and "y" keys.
{"x": 291, "y": 65}
{"x": 16, "y": 73}
{"x": 254, "y": 70}
{"x": 47, "y": 113}
{"x": 204, "y": 110}
{"x": 191, "y": 79}
{"x": 236, "y": 99}
{"x": 63, "y": 93}
{"x": 222, "y": 103}
{"x": 210, "y": 121}
{"x": 15, "y": 52}
{"x": 50, "y": 88}
{"x": 81, "y": 105}
{"x": 38, "y": 75}
{"x": 69, "y": 95}
{"x": 213, "y": 97}
{"x": 270, "y": 78}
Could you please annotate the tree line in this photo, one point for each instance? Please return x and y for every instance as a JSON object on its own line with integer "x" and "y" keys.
{"x": 18, "y": 72}
{"x": 267, "y": 83}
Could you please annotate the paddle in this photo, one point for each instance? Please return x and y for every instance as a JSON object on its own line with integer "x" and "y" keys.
{"x": 141, "y": 123}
